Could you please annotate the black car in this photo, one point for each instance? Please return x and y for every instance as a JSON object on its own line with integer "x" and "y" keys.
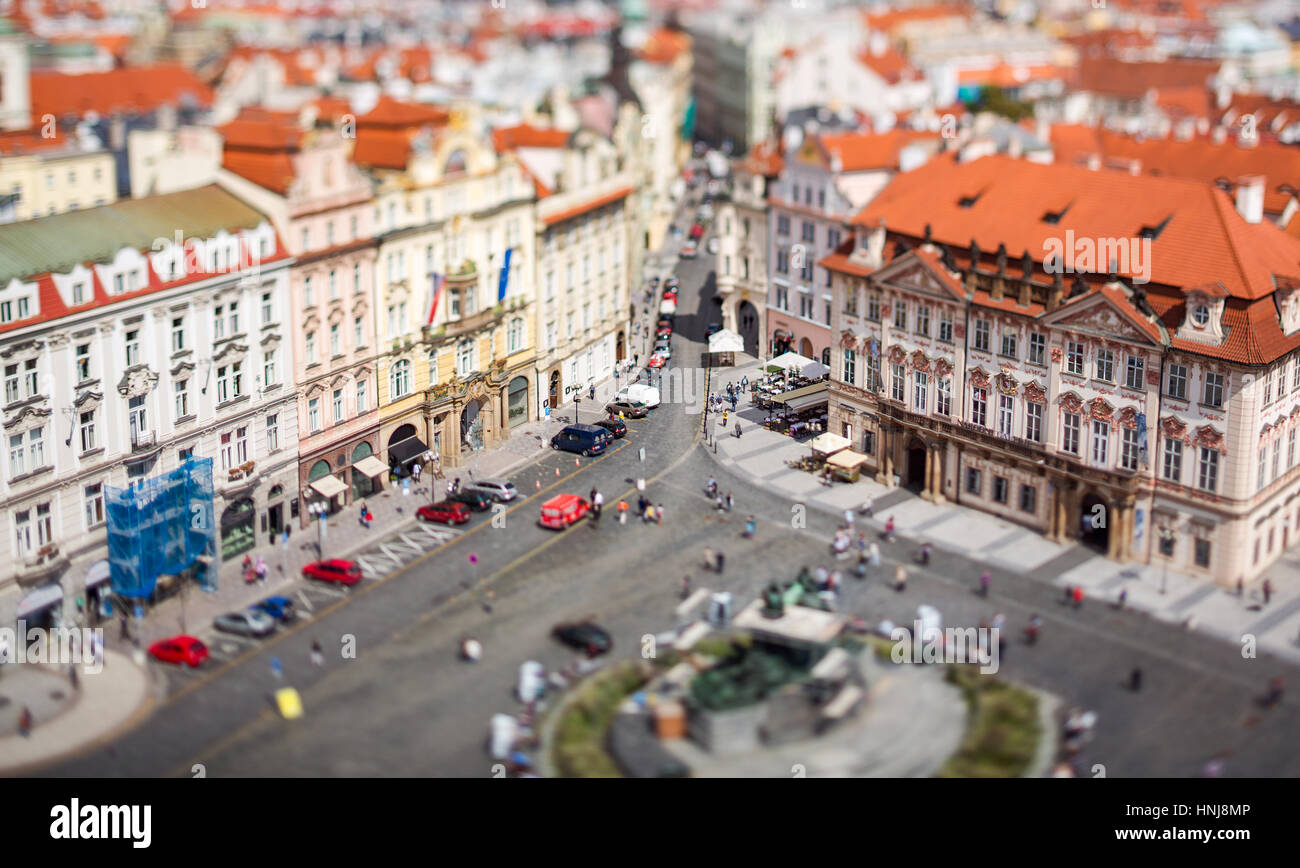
{"x": 613, "y": 426}
{"x": 475, "y": 500}
{"x": 589, "y": 637}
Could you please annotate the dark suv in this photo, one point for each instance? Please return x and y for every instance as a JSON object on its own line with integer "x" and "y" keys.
{"x": 475, "y": 500}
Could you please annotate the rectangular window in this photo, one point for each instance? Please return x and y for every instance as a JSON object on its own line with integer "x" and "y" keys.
{"x": 923, "y": 320}
{"x": 268, "y": 309}
{"x": 1261, "y": 477}
{"x": 83, "y": 362}
{"x": 1037, "y": 348}
{"x": 1034, "y": 421}
{"x": 1106, "y": 365}
{"x": 1173, "y": 464}
{"x": 1177, "y": 382}
{"x": 31, "y": 378}
{"x": 1208, "y": 473}
{"x": 868, "y": 442}
{"x": 1203, "y": 553}
{"x": 17, "y": 456}
{"x": 363, "y": 398}
{"x": 974, "y": 481}
{"x": 979, "y": 406}
{"x": 1290, "y": 450}
{"x": 138, "y": 419}
{"x": 132, "y": 348}
{"x": 230, "y": 383}
{"x": 23, "y": 532}
{"x": 182, "y": 391}
{"x": 980, "y": 339}
{"x": 900, "y": 314}
{"x": 849, "y": 371}
{"x": 1135, "y": 372}
{"x": 309, "y": 345}
{"x": 1028, "y": 499}
{"x": 13, "y": 384}
{"x": 338, "y": 405}
{"x": 1070, "y": 433}
{"x": 270, "y": 374}
{"x": 1000, "y": 489}
{"x": 1277, "y": 458}
{"x": 1100, "y": 441}
{"x": 178, "y": 334}
{"x": 313, "y": 415}
{"x": 227, "y": 451}
{"x": 873, "y": 306}
{"x": 897, "y": 385}
{"x": 241, "y": 444}
{"x": 943, "y": 396}
{"x": 1074, "y": 358}
{"x": 358, "y": 333}
{"x": 1213, "y": 390}
{"x": 336, "y": 340}
{"x": 1006, "y": 415}
{"x": 920, "y": 390}
{"x": 272, "y": 432}
{"x": 945, "y": 326}
{"x": 1009, "y": 344}
{"x": 1128, "y": 453}
{"x": 93, "y": 495}
{"x": 86, "y": 428}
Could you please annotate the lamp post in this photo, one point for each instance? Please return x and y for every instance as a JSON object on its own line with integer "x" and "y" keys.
{"x": 1168, "y": 537}
{"x": 321, "y": 511}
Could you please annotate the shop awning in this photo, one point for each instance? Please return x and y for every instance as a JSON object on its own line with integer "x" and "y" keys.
{"x": 801, "y": 399}
{"x": 371, "y": 466}
{"x": 98, "y": 574}
{"x": 406, "y": 450}
{"x": 39, "y": 599}
{"x": 328, "y": 486}
{"x": 847, "y": 459}
{"x": 829, "y": 443}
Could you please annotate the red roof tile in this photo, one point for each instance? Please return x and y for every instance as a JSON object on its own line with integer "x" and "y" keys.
{"x": 132, "y": 89}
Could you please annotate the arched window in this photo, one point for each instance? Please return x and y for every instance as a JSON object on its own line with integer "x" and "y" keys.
{"x": 399, "y": 379}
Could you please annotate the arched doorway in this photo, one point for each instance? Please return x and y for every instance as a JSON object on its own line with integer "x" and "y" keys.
{"x": 517, "y": 401}
{"x": 362, "y": 485}
{"x": 404, "y": 447}
{"x": 747, "y": 325}
{"x": 916, "y": 465}
{"x": 1094, "y": 523}
{"x": 237, "y": 534}
{"x": 620, "y": 352}
{"x": 806, "y": 348}
{"x": 553, "y": 392}
{"x": 471, "y": 425}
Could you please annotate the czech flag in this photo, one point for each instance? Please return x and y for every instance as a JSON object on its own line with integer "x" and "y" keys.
{"x": 435, "y": 292}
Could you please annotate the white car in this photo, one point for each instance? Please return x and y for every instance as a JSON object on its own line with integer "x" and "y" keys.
{"x": 689, "y": 251}
{"x": 647, "y": 395}
{"x": 713, "y": 245}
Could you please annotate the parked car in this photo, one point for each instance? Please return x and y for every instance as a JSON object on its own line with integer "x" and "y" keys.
{"x": 664, "y": 331}
{"x": 617, "y": 427}
{"x": 563, "y": 510}
{"x": 337, "y": 570}
{"x": 697, "y": 231}
{"x": 713, "y": 245}
{"x": 630, "y": 409}
{"x": 250, "y": 622}
{"x": 584, "y": 439}
{"x": 279, "y": 608}
{"x": 474, "y": 499}
{"x": 500, "y": 490}
{"x": 664, "y": 351}
{"x": 656, "y": 361}
{"x": 180, "y": 650}
{"x": 689, "y": 250}
{"x": 585, "y": 636}
{"x": 444, "y": 512}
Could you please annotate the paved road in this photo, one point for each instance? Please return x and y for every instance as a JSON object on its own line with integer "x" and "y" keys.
{"x": 405, "y": 706}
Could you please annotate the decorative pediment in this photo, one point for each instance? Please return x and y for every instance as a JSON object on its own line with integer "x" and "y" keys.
{"x": 1210, "y": 438}
{"x": 21, "y": 348}
{"x": 1128, "y": 417}
{"x": 1070, "y": 402}
{"x": 848, "y": 340}
{"x": 1174, "y": 427}
{"x": 181, "y": 368}
{"x": 270, "y": 341}
{"x": 979, "y": 378}
{"x": 137, "y": 381}
{"x": 911, "y": 273}
{"x": 1006, "y": 384}
{"x": 1105, "y": 319}
{"x": 87, "y": 401}
{"x": 1034, "y": 393}
{"x": 919, "y": 361}
{"x": 231, "y": 351}
{"x": 1100, "y": 408}
{"x": 27, "y": 418}
{"x": 942, "y": 368}
{"x": 897, "y": 354}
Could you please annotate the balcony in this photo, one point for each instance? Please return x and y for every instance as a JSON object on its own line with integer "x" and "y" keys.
{"x": 474, "y": 322}
{"x": 243, "y": 471}
{"x": 143, "y": 441}
{"x": 44, "y": 565}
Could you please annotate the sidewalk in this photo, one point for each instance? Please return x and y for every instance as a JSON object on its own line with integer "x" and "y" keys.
{"x": 760, "y": 455}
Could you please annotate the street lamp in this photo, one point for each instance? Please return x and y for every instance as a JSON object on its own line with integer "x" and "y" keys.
{"x": 1168, "y": 537}
{"x": 321, "y": 511}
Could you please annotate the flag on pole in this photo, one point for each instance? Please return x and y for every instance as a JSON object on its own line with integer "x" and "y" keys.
{"x": 504, "y": 283}
{"x": 435, "y": 292}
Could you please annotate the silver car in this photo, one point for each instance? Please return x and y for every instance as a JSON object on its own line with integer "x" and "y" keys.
{"x": 500, "y": 490}
{"x": 250, "y": 622}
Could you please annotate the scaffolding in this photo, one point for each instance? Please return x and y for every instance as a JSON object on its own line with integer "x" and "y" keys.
{"x": 161, "y": 527}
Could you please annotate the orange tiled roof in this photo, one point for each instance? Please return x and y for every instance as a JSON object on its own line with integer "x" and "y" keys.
{"x": 383, "y": 148}
{"x": 132, "y": 89}
{"x": 1010, "y": 74}
{"x": 764, "y": 159}
{"x": 31, "y": 141}
{"x": 861, "y": 152}
{"x": 889, "y": 64}
{"x": 664, "y": 46}
{"x": 259, "y": 145}
{"x": 1110, "y": 77}
{"x": 887, "y": 22}
{"x": 389, "y": 112}
{"x": 528, "y": 136}
{"x": 590, "y": 205}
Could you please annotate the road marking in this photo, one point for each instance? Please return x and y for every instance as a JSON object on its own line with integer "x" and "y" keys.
{"x": 302, "y": 595}
{"x": 413, "y": 545}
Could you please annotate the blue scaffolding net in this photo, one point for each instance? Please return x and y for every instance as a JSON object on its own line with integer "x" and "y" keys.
{"x": 161, "y": 526}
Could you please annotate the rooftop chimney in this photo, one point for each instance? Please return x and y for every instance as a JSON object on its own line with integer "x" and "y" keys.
{"x": 1250, "y": 198}
{"x": 1094, "y": 162}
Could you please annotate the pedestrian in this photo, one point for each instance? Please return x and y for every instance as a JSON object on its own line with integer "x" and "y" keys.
{"x": 751, "y": 525}
{"x": 986, "y": 579}
{"x": 1274, "y": 695}
{"x": 455, "y": 485}
{"x": 125, "y": 634}
{"x": 1268, "y": 591}
{"x": 900, "y": 577}
{"x": 720, "y": 560}
{"x": 25, "y": 722}
{"x": 641, "y": 504}
{"x": 416, "y": 470}
{"x": 599, "y": 502}
{"x": 873, "y": 554}
{"x": 925, "y": 553}
{"x": 737, "y": 430}
{"x": 471, "y": 650}
{"x": 848, "y": 519}
{"x": 1123, "y": 597}
{"x": 734, "y": 402}
{"x": 686, "y": 587}
{"x": 261, "y": 569}
{"x": 247, "y": 564}
{"x": 72, "y": 675}
{"x": 710, "y": 559}
{"x": 724, "y": 418}
{"x": 317, "y": 653}
{"x": 659, "y": 513}
{"x": 450, "y": 489}
{"x": 868, "y": 508}
{"x": 592, "y": 497}
{"x": 729, "y": 501}
{"x": 1135, "y": 679}
{"x": 591, "y": 392}
{"x": 744, "y": 382}
{"x": 889, "y": 529}
{"x": 1078, "y": 596}
{"x": 622, "y": 512}
{"x": 1069, "y": 594}
{"x": 1241, "y": 587}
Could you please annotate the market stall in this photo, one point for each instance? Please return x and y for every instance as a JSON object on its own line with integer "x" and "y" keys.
{"x": 846, "y": 465}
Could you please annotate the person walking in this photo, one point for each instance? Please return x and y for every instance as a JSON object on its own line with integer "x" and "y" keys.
{"x": 317, "y": 653}
{"x": 867, "y": 508}
{"x": 900, "y": 578}
{"x": 1069, "y": 594}
{"x": 1274, "y": 695}
{"x": 416, "y": 469}
{"x": 1123, "y": 597}
{"x": 720, "y": 559}
{"x": 1078, "y": 596}
{"x": 25, "y": 722}
{"x": 1267, "y": 588}
{"x": 598, "y": 501}
{"x": 737, "y": 430}
{"x": 925, "y": 553}
{"x": 710, "y": 559}
{"x": 641, "y": 504}
{"x": 873, "y": 554}
{"x": 848, "y": 519}
{"x": 659, "y": 513}
{"x": 889, "y": 529}
{"x": 1031, "y": 631}
{"x": 591, "y": 392}
{"x": 986, "y": 578}
{"x": 1135, "y": 679}
{"x": 622, "y": 512}
{"x": 730, "y": 501}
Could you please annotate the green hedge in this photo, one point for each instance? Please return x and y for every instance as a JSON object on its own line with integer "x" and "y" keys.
{"x": 579, "y": 750}
{"x": 1003, "y": 729}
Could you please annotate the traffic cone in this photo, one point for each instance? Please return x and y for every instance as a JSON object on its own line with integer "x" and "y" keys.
{"x": 557, "y": 471}
{"x": 575, "y": 462}
{"x": 539, "y": 485}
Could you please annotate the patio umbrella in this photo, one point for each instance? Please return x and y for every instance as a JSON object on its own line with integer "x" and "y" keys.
{"x": 786, "y": 361}
{"x": 814, "y": 370}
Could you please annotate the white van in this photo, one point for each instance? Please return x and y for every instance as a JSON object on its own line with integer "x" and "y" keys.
{"x": 647, "y": 395}
{"x": 668, "y": 308}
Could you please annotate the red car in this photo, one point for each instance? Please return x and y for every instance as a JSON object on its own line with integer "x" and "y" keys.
{"x": 670, "y": 295}
{"x": 180, "y": 649}
{"x": 697, "y": 232}
{"x": 337, "y": 570}
{"x": 656, "y": 361}
{"x": 446, "y": 512}
{"x": 663, "y": 332}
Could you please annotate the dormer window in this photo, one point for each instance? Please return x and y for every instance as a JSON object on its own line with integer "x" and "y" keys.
{"x": 1200, "y": 315}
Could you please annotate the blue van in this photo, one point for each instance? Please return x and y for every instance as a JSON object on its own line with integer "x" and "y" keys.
{"x": 586, "y": 439}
